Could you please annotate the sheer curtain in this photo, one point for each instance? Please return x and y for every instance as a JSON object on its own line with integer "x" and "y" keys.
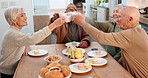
{"x": 41, "y": 7}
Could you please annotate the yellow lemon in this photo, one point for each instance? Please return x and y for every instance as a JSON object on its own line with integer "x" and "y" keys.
{"x": 78, "y": 53}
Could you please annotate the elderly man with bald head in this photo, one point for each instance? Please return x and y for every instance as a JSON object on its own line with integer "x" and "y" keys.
{"x": 133, "y": 40}
{"x": 109, "y": 27}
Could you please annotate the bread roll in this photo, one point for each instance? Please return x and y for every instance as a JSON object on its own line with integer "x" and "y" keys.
{"x": 65, "y": 70}
{"x": 96, "y": 77}
{"x": 43, "y": 71}
{"x": 54, "y": 74}
{"x": 53, "y": 65}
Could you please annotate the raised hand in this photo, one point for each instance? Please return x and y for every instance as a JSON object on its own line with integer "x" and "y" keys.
{"x": 56, "y": 16}
{"x": 59, "y": 22}
{"x": 79, "y": 19}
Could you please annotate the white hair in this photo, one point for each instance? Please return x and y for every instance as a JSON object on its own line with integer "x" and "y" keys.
{"x": 12, "y": 13}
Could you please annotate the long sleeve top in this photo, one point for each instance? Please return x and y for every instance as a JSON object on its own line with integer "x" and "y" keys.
{"x": 13, "y": 47}
{"x": 63, "y": 31}
{"x": 133, "y": 43}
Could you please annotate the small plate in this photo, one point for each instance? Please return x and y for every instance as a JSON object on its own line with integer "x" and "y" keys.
{"x": 70, "y": 44}
{"x": 64, "y": 77}
{"x": 74, "y": 68}
{"x": 66, "y": 52}
{"x": 55, "y": 61}
{"x": 93, "y": 54}
{"x": 41, "y": 52}
{"x": 101, "y": 61}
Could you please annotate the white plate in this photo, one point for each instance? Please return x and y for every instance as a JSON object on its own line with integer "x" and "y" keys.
{"x": 74, "y": 68}
{"x": 93, "y": 54}
{"x": 41, "y": 52}
{"x": 66, "y": 52}
{"x": 101, "y": 61}
{"x": 56, "y": 60}
{"x": 64, "y": 77}
{"x": 70, "y": 44}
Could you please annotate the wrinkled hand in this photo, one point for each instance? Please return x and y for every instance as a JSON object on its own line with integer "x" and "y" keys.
{"x": 79, "y": 19}
{"x": 27, "y": 49}
{"x": 83, "y": 44}
{"x": 59, "y": 22}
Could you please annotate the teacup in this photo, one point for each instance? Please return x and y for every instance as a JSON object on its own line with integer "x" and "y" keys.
{"x": 66, "y": 16}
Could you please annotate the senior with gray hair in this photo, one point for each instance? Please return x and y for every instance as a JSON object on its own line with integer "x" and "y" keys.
{"x": 14, "y": 41}
{"x": 109, "y": 27}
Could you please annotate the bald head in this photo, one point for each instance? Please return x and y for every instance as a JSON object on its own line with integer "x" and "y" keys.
{"x": 128, "y": 18}
{"x": 131, "y": 11}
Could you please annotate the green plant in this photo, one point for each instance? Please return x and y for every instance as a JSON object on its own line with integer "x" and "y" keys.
{"x": 100, "y": 1}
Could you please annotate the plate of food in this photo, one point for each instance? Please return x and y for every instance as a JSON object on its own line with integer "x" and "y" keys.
{"x": 96, "y": 61}
{"x": 65, "y": 51}
{"x": 97, "y": 53}
{"x": 38, "y": 52}
{"x": 53, "y": 58}
{"x": 80, "y": 68}
{"x": 72, "y": 44}
{"x": 53, "y": 75}
{"x": 55, "y": 70}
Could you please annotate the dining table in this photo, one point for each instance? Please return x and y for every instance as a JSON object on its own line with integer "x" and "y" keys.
{"x": 30, "y": 66}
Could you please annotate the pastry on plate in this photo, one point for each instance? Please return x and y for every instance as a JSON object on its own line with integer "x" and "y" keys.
{"x": 43, "y": 71}
{"x": 74, "y": 43}
{"x": 53, "y": 58}
{"x": 53, "y": 65}
{"x": 54, "y": 74}
{"x": 87, "y": 65}
{"x": 94, "y": 61}
{"x": 81, "y": 67}
{"x": 98, "y": 53}
{"x": 65, "y": 70}
{"x": 36, "y": 51}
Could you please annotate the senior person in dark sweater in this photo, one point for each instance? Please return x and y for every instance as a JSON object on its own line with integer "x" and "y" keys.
{"x": 70, "y": 31}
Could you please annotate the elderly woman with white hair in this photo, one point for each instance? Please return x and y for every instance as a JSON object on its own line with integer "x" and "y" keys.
{"x": 14, "y": 41}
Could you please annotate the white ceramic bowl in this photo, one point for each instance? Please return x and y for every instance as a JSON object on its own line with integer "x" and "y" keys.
{"x": 56, "y": 58}
{"x": 77, "y": 60}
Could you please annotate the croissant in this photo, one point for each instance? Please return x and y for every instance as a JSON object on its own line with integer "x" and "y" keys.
{"x": 43, "y": 71}
{"x": 54, "y": 74}
{"x": 53, "y": 65}
{"x": 65, "y": 70}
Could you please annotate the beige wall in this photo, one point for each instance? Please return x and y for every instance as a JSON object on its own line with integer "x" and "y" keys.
{"x": 41, "y": 21}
